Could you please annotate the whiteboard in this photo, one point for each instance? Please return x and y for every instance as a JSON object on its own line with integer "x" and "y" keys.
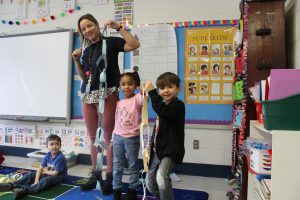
{"x": 35, "y": 78}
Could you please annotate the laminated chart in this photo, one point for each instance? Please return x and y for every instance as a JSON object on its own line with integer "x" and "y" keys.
{"x": 17, "y": 134}
{"x": 209, "y": 67}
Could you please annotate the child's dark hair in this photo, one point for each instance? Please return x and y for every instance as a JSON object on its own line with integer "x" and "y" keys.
{"x": 167, "y": 79}
{"x": 227, "y": 66}
{"x": 203, "y": 67}
{"x": 53, "y": 137}
{"x": 215, "y": 66}
{"x": 134, "y": 75}
{"x": 204, "y": 47}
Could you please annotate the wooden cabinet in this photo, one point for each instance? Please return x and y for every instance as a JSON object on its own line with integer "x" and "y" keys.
{"x": 266, "y": 45}
{"x": 263, "y": 49}
{"x": 285, "y": 162}
{"x": 266, "y": 39}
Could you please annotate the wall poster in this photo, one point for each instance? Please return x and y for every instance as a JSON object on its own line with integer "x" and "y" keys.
{"x": 124, "y": 12}
{"x": 209, "y": 65}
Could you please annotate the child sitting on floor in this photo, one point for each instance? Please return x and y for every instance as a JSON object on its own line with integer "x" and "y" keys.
{"x": 51, "y": 172}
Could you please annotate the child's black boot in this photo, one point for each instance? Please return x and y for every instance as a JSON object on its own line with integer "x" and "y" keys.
{"x": 107, "y": 188}
{"x": 92, "y": 182}
{"x": 131, "y": 194}
{"x": 117, "y": 195}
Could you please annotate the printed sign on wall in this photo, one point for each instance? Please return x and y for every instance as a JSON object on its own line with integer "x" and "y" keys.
{"x": 209, "y": 67}
{"x": 124, "y": 12}
{"x": 43, "y": 8}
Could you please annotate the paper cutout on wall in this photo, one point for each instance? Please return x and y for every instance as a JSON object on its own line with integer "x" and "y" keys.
{"x": 69, "y": 5}
{"x": 80, "y": 139}
{"x": 238, "y": 90}
{"x": 66, "y": 137}
{"x": 42, "y": 8}
{"x": 157, "y": 53}
{"x": 21, "y": 9}
{"x": 2, "y": 134}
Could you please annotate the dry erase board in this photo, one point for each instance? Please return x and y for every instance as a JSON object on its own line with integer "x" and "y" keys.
{"x": 35, "y": 78}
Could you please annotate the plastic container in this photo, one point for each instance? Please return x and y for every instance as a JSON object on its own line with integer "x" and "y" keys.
{"x": 282, "y": 114}
{"x": 260, "y": 161}
{"x": 37, "y": 156}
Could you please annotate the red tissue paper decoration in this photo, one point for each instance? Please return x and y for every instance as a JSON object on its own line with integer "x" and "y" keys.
{"x": 43, "y": 19}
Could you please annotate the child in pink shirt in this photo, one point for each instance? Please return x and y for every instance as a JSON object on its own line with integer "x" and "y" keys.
{"x": 126, "y": 139}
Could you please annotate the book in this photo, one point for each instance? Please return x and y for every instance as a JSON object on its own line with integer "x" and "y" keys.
{"x": 266, "y": 183}
{"x": 261, "y": 192}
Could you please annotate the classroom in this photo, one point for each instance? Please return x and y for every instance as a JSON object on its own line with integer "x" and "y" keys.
{"x": 66, "y": 66}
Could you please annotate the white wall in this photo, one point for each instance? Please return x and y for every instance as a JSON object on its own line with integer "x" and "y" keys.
{"x": 145, "y": 11}
{"x": 292, "y": 20}
{"x": 215, "y": 145}
{"x": 215, "y": 141}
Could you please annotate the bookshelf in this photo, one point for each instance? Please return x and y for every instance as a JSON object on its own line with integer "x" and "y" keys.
{"x": 285, "y": 162}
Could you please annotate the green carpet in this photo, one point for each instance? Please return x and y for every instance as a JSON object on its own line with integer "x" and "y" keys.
{"x": 49, "y": 193}
{"x": 53, "y": 192}
{"x": 9, "y": 196}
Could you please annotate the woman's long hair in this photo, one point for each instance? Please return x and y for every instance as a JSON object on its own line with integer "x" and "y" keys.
{"x": 85, "y": 42}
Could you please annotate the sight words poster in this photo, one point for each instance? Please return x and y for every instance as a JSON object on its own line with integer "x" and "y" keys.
{"x": 209, "y": 65}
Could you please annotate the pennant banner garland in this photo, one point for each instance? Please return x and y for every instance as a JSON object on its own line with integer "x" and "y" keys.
{"x": 129, "y": 26}
{"x": 42, "y": 19}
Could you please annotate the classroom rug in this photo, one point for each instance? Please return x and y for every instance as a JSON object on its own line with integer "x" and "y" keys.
{"x": 70, "y": 190}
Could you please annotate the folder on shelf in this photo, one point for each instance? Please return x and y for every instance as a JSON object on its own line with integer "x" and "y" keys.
{"x": 284, "y": 82}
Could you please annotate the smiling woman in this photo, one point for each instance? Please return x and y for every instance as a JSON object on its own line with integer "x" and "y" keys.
{"x": 97, "y": 65}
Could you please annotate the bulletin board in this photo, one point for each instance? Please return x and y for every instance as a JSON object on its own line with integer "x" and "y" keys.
{"x": 209, "y": 65}
{"x": 206, "y": 112}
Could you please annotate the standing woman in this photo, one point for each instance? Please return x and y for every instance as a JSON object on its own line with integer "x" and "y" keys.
{"x": 89, "y": 71}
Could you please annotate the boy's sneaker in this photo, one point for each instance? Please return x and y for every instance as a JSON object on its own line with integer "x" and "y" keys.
{"x": 92, "y": 182}
{"x": 5, "y": 187}
{"x": 131, "y": 194}
{"x": 107, "y": 189}
{"x": 19, "y": 193}
{"x": 117, "y": 195}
